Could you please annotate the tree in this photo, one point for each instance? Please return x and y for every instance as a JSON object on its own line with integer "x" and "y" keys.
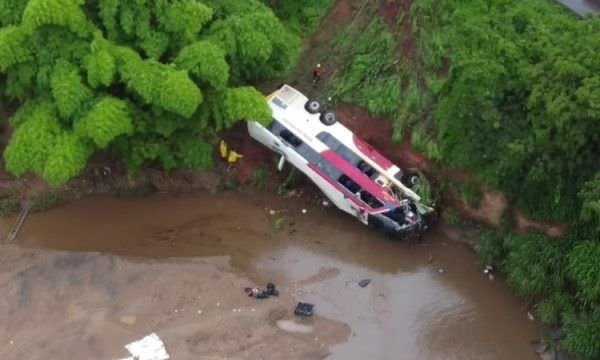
{"x": 149, "y": 80}
{"x": 520, "y": 104}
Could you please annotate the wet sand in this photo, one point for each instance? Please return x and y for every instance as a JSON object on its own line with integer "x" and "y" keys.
{"x": 148, "y": 257}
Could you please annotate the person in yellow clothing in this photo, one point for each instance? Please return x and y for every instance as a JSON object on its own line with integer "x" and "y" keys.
{"x": 223, "y": 149}
{"x": 230, "y": 155}
{"x": 233, "y": 157}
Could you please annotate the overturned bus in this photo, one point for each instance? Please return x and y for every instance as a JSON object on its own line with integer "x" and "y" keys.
{"x": 350, "y": 172}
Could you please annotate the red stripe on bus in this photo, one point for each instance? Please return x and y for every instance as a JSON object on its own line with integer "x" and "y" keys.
{"x": 356, "y": 175}
{"x": 371, "y": 153}
{"x": 337, "y": 186}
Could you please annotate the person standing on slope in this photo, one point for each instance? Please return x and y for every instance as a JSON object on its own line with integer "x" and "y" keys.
{"x": 316, "y": 74}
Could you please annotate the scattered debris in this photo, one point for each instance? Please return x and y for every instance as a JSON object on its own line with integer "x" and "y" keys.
{"x": 304, "y": 211}
{"x": 271, "y": 290}
{"x": 149, "y": 348}
{"x": 530, "y": 316}
{"x": 293, "y": 327}
{"x": 272, "y": 212}
{"x": 430, "y": 260}
{"x": 491, "y": 276}
{"x": 441, "y": 270}
{"x": 488, "y": 269}
{"x": 541, "y": 347}
{"x": 279, "y": 223}
{"x": 264, "y": 294}
{"x": 199, "y": 312}
{"x": 364, "y": 282}
{"x": 304, "y": 309}
{"x": 325, "y": 203}
{"x": 128, "y": 319}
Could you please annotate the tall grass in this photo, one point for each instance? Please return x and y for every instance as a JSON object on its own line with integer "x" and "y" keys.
{"x": 301, "y": 16}
{"x": 369, "y": 76}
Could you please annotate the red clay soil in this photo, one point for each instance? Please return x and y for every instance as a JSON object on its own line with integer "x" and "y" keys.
{"x": 317, "y": 47}
{"x": 389, "y": 10}
{"x": 255, "y": 156}
{"x": 378, "y": 132}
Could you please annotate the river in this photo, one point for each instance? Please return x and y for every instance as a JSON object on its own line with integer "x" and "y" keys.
{"x": 85, "y": 278}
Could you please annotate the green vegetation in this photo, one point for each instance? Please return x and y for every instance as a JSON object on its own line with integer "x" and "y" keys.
{"x": 301, "y": 16}
{"x": 45, "y": 201}
{"x": 367, "y": 75}
{"x": 259, "y": 178}
{"x": 471, "y": 193}
{"x": 516, "y": 102}
{"x": 9, "y": 206}
{"x": 510, "y": 92}
{"x": 519, "y": 106}
{"x": 150, "y": 81}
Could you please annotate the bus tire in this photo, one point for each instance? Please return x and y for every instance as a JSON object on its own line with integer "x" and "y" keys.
{"x": 313, "y": 106}
{"x": 328, "y": 118}
{"x": 411, "y": 179}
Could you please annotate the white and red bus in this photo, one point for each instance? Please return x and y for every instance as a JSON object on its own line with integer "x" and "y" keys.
{"x": 353, "y": 175}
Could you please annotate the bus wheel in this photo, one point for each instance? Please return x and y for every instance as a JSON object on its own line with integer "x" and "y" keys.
{"x": 411, "y": 179}
{"x": 328, "y": 118}
{"x": 313, "y": 106}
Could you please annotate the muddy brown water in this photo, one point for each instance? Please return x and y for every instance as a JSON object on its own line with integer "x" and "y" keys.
{"x": 116, "y": 257}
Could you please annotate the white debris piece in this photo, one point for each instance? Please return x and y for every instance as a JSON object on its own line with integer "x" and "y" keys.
{"x": 304, "y": 211}
{"x": 149, "y": 348}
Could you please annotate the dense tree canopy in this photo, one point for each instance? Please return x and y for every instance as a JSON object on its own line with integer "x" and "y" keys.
{"x": 517, "y": 101}
{"x": 521, "y": 104}
{"x": 147, "y": 79}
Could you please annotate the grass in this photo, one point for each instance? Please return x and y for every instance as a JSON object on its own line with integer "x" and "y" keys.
{"x": 259, "y": 178}
{"x": 367, "y": 76}
{"x": 471, "y": 193}
{"x": 302, "y": 16}
{"x": 422, "y": 143}
{"x": 45, "y": 201}
{"x": 9, "y": 206}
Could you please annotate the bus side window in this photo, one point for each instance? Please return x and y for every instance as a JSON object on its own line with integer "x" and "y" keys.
{"x": 349, "y": 184}
{"x": 370, "y": 200}
{"x": 290, "y": 138}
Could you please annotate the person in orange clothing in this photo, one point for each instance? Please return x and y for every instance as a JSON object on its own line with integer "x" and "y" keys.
{"x": 316, "y": 74}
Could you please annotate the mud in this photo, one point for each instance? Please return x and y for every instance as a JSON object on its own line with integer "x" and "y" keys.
{"x": 124, "y": 268}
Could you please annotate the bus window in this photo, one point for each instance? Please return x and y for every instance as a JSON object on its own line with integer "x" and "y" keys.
{"x": 365, "y": 168}
{"x": 336, "y": 146}
{"x": 370, "y": 200}
{"x": 290, "y": 138}
{"x": 349, "y": 184}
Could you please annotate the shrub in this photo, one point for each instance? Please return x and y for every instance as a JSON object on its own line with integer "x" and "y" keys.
{"x": 150, "y": 81}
